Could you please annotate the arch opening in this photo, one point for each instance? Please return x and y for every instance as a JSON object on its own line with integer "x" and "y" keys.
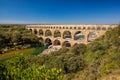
{"x": 66, "y": 44}
{"x": 35, "y": 31}
{"x": 30, "y": 30}
{"x": 57, "y": 33}
{"x": 67, "y": 35}
{"x": 88, "y": 28}
{"x": 79, "y": 36}
{"x": 92, "y": 36}
{"x": 57, "y": 43}
{"x": 41, "y": 39}
{"x": 103, "y": 28}
{"x": 48, "y": 33}
{"x": 98, "y": 28}
{"x": 41, "y": 32}
{"x": 48, "y": 42}
{"x": 93, "y": 28}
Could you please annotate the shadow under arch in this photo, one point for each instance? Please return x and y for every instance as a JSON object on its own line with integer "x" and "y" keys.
{"x": 57, "y": 33}
{"x": 67, "y": 34}
{"x": 66, "y": 44}
{"x": 48, "y": 33}
{"x": 41, "y": 32}
{"x": 35, "y": 31}
{"x": 79, "y": 36}
{"x": 30, "y": 30}
{"x": 48, "y": 42}
{"x": 57, "y": 42}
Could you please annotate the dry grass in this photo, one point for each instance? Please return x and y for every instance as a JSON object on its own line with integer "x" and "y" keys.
{"x": 11, "y": 53}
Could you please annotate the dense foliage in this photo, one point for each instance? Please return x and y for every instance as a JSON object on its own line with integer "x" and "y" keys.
{"x": 102, "y": 57}
{"x": 15, "y": 37}
{"x": 19, "y": 69}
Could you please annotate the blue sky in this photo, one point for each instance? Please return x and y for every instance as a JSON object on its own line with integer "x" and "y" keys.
{"x": 60, "y": 11}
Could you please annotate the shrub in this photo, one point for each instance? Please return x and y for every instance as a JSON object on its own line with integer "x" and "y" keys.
{"x": 79, "y": 49}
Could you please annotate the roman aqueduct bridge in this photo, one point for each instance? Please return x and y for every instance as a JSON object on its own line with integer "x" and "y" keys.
{"x": 68, "y": 35}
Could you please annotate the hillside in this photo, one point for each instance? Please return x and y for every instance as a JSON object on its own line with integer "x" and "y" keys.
{"x": 99, "y": 60}
{"x": 16, "y": 37}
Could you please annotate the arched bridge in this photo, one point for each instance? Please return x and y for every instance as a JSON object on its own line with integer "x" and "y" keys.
{"x": 68, "y": 35}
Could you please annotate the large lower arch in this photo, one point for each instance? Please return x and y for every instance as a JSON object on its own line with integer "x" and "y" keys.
{"x": 67, "y": 34}
{"x": 92, "y": 36}
{"x": 57, "y": 43}
{"x": 66, "y": 44}
{"x": 48, "y": 33}
{"x": 41, "y": 32}
{"x": 79, "y": 36}
{"x": 35, "y": 31}
{"x": 48, "y": 41}
{"x": 57, "y": 33}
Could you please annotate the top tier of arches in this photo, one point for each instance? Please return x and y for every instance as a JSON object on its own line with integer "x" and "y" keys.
{"x": 77, "y": 27}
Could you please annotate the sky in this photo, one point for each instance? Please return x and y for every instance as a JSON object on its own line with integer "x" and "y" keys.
{"x": 59, "y": 11}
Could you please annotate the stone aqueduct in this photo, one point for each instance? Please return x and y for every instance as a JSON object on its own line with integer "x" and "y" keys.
{"x": 69, "y": 35}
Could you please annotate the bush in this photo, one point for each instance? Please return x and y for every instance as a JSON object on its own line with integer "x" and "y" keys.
{"x": 79, "y": 49}
{"x": 96, "y": 46}
{"x": 73, "y": 64}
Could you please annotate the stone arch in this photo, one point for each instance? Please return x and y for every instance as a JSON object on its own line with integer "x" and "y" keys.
{"x": 48, "y": 33}
{"x": 98, "y": 28}
{"x": 88, "y": 28}
{"x": 74, "y": 27}
{"x": 66, "y": 27}
{"x": 92, "y": 36}
{"x": 48, "y": 41}
{"x": 30, "y": 30}
{"x": 93, "y": 28}
{"x": 79, "y": 36}
{"x": 66, "y": 44}
{"x": 41, "y": 39}
{"x": 67, "y": 34}
{"x": 57, "y": 33}
{"x": 35, "y": 31}
{"x": 79, "y": 27}
{"x": 104, "y": 28}
{"x": 84, "y": 28}
{"x": 59, "y": 27}
{"x": 41, "y": 32}
{"x": 57, "y": 42}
